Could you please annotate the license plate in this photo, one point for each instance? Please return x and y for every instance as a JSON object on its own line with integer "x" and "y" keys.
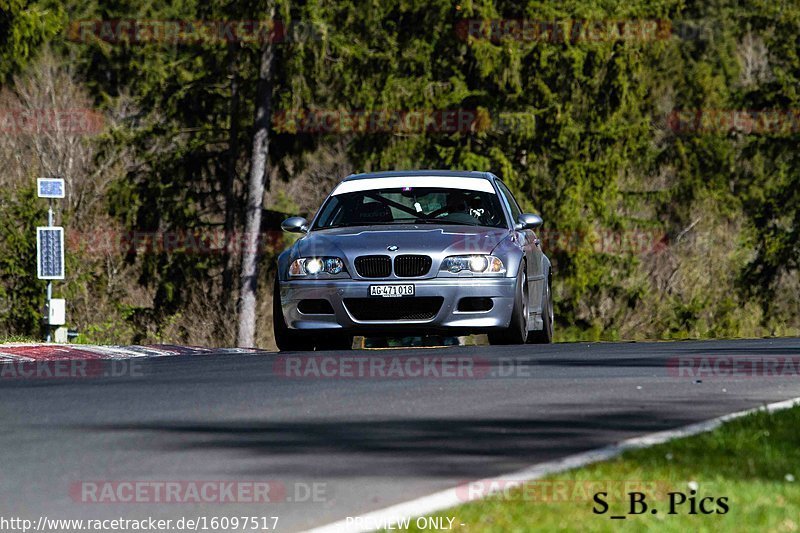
{"x": 391, "y": 291}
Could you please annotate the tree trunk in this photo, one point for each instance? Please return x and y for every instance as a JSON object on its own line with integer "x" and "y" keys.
{"x": 259, "y": 161}
{"x": 231, "y": 248}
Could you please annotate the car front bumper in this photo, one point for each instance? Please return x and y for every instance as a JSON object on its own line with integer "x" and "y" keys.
{"x": 446, "y": 317}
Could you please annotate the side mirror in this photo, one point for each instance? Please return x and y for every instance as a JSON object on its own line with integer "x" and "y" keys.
{"x": 295, "y": 225}
{"x": 529, "y": 221}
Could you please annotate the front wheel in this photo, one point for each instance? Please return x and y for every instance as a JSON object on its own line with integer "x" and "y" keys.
{"x": 517, "y": 330}
{"x": 286, "y": 339}
{"x": 303, "y": 340}
{"x": 545, "y": 335}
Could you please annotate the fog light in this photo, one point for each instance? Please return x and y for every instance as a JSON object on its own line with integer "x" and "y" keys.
{"x": 475, "y": 304}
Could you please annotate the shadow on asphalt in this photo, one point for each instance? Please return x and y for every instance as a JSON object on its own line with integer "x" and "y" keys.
{"x": 428, "y": 447}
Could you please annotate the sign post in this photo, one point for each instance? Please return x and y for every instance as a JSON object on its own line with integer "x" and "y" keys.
{"x": 50, "y": 258}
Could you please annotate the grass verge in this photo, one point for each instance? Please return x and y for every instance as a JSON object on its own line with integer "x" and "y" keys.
{"x": 5, "y": 339}
{"x": 753, "y": 462}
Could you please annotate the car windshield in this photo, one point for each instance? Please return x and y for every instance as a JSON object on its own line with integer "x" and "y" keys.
{"x": 411, "y": 205}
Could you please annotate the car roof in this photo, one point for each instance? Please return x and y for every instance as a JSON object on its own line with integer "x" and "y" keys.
{"x": 410, "y": 173}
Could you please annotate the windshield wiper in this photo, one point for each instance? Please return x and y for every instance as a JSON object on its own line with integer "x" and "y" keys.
{"x": 355, "y": 224}
{"x": 437, "y": 221}
{"x": 344, "y": 225}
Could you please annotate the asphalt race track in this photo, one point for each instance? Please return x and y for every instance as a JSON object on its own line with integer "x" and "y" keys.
{"x": 330, "y": 445}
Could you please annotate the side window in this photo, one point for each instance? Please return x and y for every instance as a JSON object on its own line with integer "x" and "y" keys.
{"x": 512, "y": 203}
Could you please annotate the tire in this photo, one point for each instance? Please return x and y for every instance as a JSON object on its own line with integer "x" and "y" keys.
{"x": 517, "y": 330}
{"x": 286, "y": 339}
{"x": 545, "y": 335}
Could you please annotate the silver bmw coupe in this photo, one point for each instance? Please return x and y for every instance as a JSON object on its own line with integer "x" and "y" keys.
{"x": 413, "y": 253}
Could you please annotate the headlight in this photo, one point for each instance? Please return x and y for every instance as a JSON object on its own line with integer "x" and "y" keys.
{"x": 306, "y": 266}
{"x": 480, "y": 264}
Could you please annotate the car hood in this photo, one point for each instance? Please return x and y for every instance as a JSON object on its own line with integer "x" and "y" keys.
{"x": 409, "y": 239}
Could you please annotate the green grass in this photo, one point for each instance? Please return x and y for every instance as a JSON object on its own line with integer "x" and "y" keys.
{"x": 17, "y": 338}
{"x": 754, "y": 461}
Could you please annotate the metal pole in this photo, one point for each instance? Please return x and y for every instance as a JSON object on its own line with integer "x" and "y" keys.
{"x": 49, "y": 298}
{"x": 50, "y": 218}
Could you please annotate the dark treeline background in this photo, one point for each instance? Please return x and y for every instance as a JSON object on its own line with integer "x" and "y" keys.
{"x": 658, "y": 226}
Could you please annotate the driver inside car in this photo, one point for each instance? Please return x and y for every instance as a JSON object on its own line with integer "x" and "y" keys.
{"x": 462, "y": 207}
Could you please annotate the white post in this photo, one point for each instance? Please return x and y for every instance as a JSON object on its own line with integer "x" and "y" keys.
{"x": 51, "y": 188}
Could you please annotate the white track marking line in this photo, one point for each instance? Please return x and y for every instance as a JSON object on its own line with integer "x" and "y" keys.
{"x": 115, "y": 351}
{"x": 15, "y": 358}
{"x": 107, "y": 352}
{"x": 439, "y": 501}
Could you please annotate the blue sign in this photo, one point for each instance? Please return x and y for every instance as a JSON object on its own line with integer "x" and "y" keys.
{"x": 50, "y": 252}
{"x": 50, "y": 187}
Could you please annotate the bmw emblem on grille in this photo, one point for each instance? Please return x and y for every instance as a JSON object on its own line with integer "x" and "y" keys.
{"x": 392, "y": 248}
